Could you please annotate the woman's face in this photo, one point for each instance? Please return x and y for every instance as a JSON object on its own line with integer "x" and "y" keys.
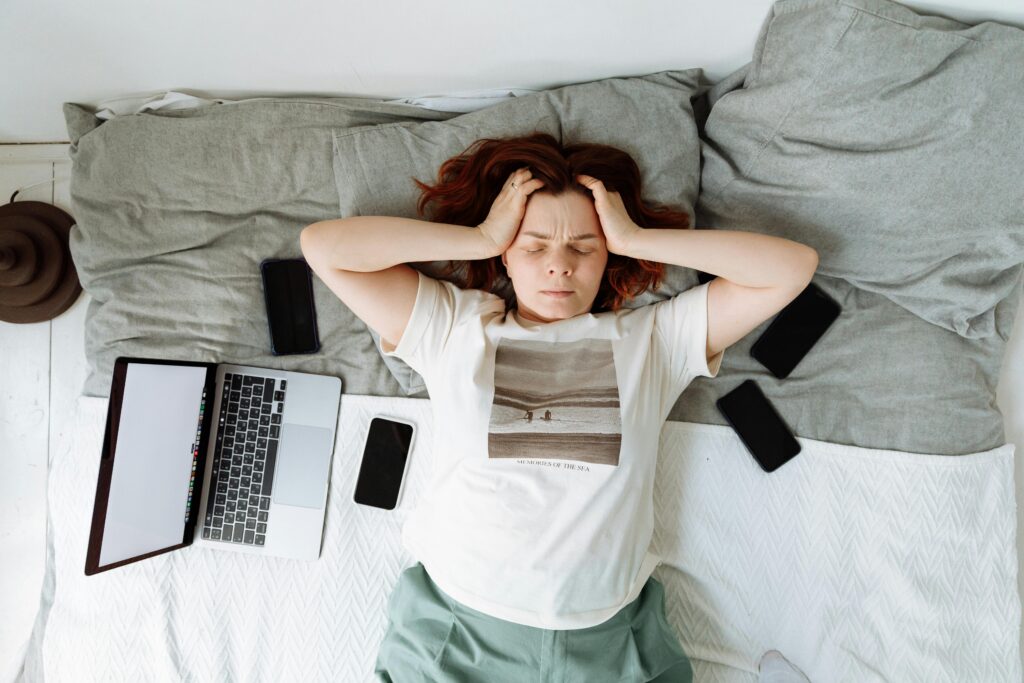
{"x": 559, "y": 246}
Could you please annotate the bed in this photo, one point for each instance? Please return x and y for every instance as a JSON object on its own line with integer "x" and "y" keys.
{"x": 886, "y": 551}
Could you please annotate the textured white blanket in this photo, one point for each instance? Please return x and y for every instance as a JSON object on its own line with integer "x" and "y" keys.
{"x": 858, "y": 564}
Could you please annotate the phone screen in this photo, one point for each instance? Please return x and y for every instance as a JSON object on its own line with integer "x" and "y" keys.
{"x": 288, "y": 290}
{"x": 383, "y": 463}
{"x": 759, "y": 425}
{"x": 795, "y": 330}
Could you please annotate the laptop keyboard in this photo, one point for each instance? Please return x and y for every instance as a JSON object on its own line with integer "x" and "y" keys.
{"x": 238, "y": 504}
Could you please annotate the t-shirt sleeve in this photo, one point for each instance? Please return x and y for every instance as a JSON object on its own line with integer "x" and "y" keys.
{"x": 681, "y": 324}
{"x": 439, "y": 308}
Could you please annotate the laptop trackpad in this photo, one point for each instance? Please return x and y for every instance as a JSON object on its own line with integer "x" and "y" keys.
{"x": 301, "y": 471}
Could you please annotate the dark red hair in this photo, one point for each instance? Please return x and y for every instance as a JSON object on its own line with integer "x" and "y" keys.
{"x": 469, "y": 183}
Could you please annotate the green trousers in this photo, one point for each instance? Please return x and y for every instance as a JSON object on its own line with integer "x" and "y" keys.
{"x": 431, "y": 637}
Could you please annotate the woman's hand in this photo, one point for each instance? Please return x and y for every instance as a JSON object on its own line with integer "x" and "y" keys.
{"x": 618, "y": 227}
{"x": 502, "y": 223}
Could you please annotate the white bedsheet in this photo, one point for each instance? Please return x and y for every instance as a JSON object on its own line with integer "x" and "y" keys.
{"x": 858, "y": 564}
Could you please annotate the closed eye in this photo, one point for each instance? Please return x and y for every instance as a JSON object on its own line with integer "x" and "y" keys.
{"x": 534, "y": 251}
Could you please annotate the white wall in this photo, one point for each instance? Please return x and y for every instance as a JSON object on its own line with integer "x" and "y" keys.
{"x": 90, "y": 52}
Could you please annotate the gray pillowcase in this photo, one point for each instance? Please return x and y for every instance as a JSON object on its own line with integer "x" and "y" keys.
{"x": 651, "y": 117}
{"x": 886, "y": 140}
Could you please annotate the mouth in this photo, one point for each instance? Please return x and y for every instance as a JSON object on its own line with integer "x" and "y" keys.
{"x": 557, "y": 292}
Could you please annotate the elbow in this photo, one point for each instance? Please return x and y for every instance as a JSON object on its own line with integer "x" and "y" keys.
{"x": 812, "y": 260}
{"x": 306, "y": 241}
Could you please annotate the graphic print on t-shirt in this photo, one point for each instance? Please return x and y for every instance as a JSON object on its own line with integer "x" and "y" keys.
{"x": 555, "y": 401}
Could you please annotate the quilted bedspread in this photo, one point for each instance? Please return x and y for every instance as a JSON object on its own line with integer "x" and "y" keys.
{"x": 858, "y": 564}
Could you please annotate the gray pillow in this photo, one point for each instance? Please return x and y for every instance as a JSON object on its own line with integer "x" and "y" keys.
{"x": 887, "y": 140}
{"x": 651, "y": 117}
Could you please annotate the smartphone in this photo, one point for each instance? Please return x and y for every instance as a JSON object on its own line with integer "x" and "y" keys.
{"x": 796, "y": 328}
{"x": 759, "y": 426}
{"x": 384, "y": 462}
{"x": 291, "y": 315}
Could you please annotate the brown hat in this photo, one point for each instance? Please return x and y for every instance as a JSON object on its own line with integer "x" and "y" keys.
{"x": 38, "y": 280}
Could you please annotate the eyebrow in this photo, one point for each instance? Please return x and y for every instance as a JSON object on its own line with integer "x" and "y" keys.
{"x": 572, "y": 238}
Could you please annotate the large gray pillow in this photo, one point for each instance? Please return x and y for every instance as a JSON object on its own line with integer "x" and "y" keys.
{"x": 651, "y": 117}
{"x": 887, "y": 140}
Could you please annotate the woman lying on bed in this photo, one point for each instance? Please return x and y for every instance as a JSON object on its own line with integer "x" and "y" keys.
{"x": 533, "y": 537}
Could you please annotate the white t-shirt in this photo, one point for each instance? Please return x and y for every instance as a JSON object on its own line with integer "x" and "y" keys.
{"x": 540, "y": 504}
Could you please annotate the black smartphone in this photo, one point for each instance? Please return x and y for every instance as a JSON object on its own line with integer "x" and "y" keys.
{"x": 384, "y": 462}
{"x": 291, "y": 315}
{"x": 759, "y": 426}
{"x": 796, "y": 328}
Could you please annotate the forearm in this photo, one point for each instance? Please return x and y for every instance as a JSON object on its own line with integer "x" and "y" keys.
{"x": 371, "y": 243}
{"x": 746, "y": 258}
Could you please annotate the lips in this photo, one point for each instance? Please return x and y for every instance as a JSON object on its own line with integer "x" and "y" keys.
{"x": 557, "y": 293}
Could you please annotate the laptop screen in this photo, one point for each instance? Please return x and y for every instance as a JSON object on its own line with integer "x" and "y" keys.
{"x": 154, "y": 459}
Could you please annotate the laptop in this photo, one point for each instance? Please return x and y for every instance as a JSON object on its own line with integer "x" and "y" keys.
{"x": 228, "y": 457}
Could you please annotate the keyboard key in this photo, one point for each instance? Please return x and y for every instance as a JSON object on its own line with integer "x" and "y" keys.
{"x": 275, "y": 432}
{"x": 218, "y": 510}
{"x": 263, "y": 430}
{"x": 206, "y": 531}
{"x": 268, "y": 479}
{"x": 278, "y": 395}
{"x": 250, "y": 537}
{"x": 247, "y": 382}
{"x": 260, "y": 528}
{"x": 260, "y": 539}
{"x": 237, "y": 471}
{"x": 246, "y": 470}
{"x": 250, "y": 523}
{"x": 218, "y": 522}
{"x": 221, "y": 497}
{"x": 257, "y": 390}
{"x": 276, "y": 418}
{"x": 265, "y": 502}
{"x": 229, "y": 519}
{"x": 262, "y": 516}
{"x": 268, "y": 385}
{"x": 236, "y": 382}
{"x": 215, "y": 535}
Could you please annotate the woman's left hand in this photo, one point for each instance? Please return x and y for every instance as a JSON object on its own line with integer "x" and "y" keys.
{"x": 618, "y": 227}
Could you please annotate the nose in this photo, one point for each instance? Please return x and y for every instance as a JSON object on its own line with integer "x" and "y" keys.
{"x": 560, "y": 264}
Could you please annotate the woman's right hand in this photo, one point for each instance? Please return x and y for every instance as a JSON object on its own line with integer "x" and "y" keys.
{"x": 502, "y": 223}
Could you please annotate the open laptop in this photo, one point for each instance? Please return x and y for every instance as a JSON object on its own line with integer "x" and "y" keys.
{"x": 230, "y": 457}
